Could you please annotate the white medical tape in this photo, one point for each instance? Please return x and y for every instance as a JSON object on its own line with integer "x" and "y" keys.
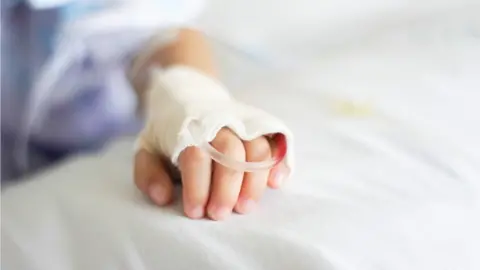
{"x": 187, "y": 108}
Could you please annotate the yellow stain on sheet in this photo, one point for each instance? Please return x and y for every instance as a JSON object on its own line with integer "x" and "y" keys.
{"x": 353, "y": 109}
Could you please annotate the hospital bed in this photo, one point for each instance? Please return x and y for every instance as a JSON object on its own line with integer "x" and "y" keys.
{"x": 385, "y": 110}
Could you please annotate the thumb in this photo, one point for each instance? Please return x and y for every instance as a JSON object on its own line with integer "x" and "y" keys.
{"x": 152, "y": 178}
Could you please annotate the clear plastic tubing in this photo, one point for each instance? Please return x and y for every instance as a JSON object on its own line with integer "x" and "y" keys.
{"x": 279, "y": 150}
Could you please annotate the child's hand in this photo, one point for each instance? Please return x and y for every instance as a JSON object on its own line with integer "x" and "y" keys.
{"x": 185, "y": 109}
{"x": 208, "y": 187}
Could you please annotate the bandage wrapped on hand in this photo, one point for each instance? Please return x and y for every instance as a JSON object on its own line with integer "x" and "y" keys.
{"x": 187, "y": 108}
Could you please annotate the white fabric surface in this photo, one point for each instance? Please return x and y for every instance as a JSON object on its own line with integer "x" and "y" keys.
{"x": 369, "y": 193}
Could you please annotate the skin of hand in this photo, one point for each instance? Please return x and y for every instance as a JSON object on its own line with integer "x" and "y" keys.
{"x": 209, "y": 189}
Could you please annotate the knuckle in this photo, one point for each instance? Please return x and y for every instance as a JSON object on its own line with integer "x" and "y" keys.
{"x": 141, "y": 170}
{"x": 252, "y": 194}
{"x": 224, "y": 132}
{"x": 254, "y": 184}
{"x": 225, "y": 200}
{"x": 258, "y": 149}
{"x": 141, "y": 185}
{"x": 230, "y": 145}
{"x": 194, "y": 155}
{"x": 196, "y": 198}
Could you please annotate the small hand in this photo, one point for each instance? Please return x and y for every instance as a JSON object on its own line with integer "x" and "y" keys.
{"x": 209, "y": 189}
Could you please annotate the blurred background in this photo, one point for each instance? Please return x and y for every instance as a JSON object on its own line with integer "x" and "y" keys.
{"x": 409, "y": 59}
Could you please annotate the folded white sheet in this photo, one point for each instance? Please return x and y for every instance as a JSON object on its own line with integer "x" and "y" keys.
{"x": 397, "y": 187}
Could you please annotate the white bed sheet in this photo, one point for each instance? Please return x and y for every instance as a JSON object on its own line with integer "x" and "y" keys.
{"x": 367, "y": 193}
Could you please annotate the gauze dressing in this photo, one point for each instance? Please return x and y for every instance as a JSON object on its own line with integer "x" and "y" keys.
{"x": 186, "y": 108}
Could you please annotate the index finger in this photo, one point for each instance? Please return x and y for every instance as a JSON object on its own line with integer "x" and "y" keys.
{"x": 195, "y": 169}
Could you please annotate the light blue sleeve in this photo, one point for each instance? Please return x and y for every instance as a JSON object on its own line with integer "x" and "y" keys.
{"x": 99, "y": 39}
{"x": 69, "y": 81}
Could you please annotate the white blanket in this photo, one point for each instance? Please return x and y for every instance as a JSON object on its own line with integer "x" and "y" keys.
{"x": 395, "y": 188}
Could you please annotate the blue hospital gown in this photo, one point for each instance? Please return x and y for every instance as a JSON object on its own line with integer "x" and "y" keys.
{"x": 89, "y": 99}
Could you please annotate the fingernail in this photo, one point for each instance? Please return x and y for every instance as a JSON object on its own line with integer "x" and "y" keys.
{"x": 158, "y": 194}
{"x": 220, "y": 213}
{"x": 196, "y": 212}
{"x": 246, "y": 205}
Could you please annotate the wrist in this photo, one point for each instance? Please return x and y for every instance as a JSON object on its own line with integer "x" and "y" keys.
{"x": 185, "y": 85}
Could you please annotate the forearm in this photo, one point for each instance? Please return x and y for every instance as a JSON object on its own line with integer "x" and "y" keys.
{"x": 190, "y": 48}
